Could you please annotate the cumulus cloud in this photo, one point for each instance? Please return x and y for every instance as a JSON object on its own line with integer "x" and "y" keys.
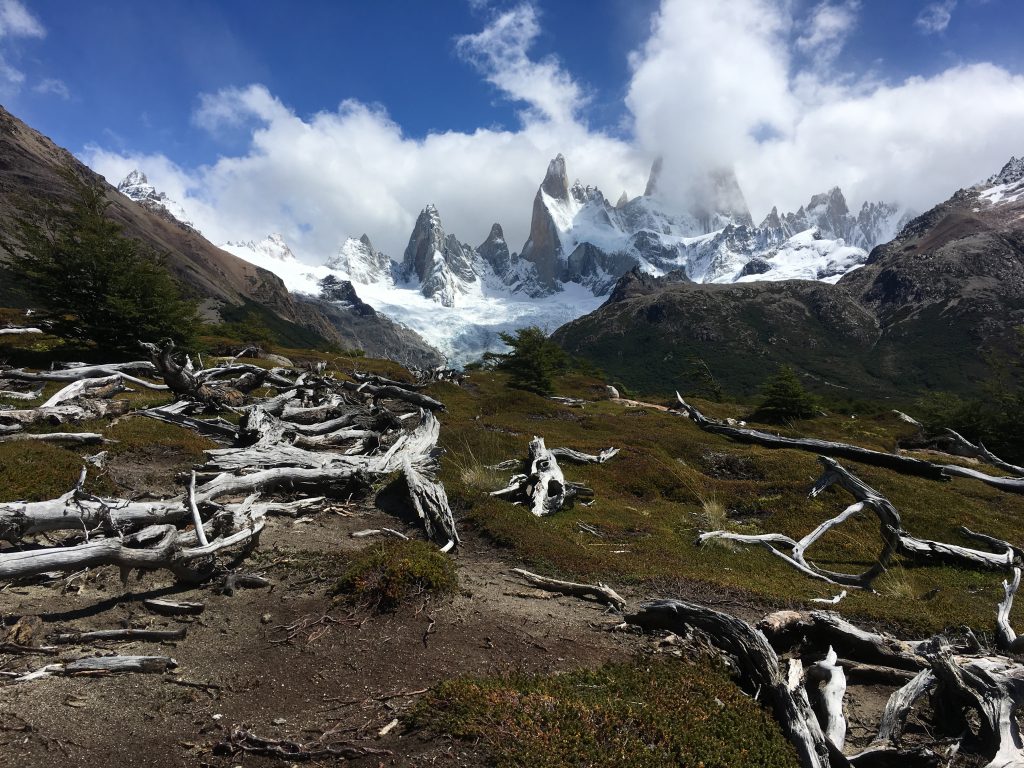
{"x": 714, "y": 85}
{"x": 935, "y": 17}
{"x": 827, "y": 28}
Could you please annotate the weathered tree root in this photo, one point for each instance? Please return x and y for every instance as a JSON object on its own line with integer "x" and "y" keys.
{"x": 543, "y": 485}
{"x": 894, "y": 538}
{"x": 760, "y": 672}
{"x": 242, "y": 740}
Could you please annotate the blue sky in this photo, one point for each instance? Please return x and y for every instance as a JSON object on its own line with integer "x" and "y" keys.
{"x": 325, "y": 119}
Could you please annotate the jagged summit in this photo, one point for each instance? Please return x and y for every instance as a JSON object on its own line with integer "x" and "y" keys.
{"x": 441, "y": 265}
{"x": 1005, "y": 187}
{"x": 358, "y": 261}
{"x": 556, "y": 180}
{"x": 136, "y": 186}
{"x": 273, "y": 246}
{"x": 1012, "y": 172}
{"x": 654, "y": 176}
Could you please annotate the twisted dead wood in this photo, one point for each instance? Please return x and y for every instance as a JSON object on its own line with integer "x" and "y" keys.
{"x": 894, "y": 537}
{"x": 904, "y": 464}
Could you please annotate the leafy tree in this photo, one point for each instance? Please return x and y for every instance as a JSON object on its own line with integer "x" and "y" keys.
{"x": 97, "y": 284}
{"x": 784, "y": 398}
{"x": 532, "y": 362}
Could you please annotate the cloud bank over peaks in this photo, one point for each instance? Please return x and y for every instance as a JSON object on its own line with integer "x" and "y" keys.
{"x": 748, "y": 84}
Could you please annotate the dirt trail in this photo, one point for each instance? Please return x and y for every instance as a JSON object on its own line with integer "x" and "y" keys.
{"x": 352, "y": 672}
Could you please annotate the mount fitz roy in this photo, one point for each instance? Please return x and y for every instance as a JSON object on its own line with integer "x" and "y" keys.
{"x": 460, "y": 297}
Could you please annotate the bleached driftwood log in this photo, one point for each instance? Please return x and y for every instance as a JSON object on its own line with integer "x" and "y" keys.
{"x": 64, "y": 414}
{"x": 584, "y": 458}
{"x": 431, "y": 504}
{"x": 176, "y": 413}
{"x": 904, "y": 464}
{"x": 367, "y": 532}
{"x": 894, "y": 537}
{"x": 825, "y": 629}
{"x": 1006, "y": 639}
{"x": 154, "y": 547}
{"x": 19, "y": 330}
{"x": 86, "y": 387}
{"x": 826, "y": 684}
{"x": 101, "y": 665}
{"x": 12, "y": 394}
{"x": 77, "y": 372}
{"x": 116, "y": 635}
{"x": 600, "y": 592}
{"x": 964, "y": 447}
{"x": 760, "y": 672}
{"x": 994, "y": 688}
{"x": 393, "y": 392}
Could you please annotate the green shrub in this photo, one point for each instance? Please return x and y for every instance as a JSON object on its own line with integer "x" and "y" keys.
{"x": 785, "y": 399}
{"x": 383, "y": 575}
{"x": 641, "y": 715}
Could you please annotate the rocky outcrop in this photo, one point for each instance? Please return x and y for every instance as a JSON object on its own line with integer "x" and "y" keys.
{"x": 441, "y": 265}
{"x": 494, "y": 251}
{"x": 136, "y": 186}
{"x": 360, "y": 262}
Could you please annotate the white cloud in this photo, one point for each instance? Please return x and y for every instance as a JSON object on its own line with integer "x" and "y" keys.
{"x": 935, "y": 17}
{"x": 17, "y": 21}
{"x": 827, "y": 28}
{"x": 715, "y": 84}
{"x": 500, "y": 53}
{"x": 52, "y": 85}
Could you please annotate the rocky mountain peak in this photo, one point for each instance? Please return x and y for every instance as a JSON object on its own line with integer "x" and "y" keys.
{"x": 1012, "y": 172}
{"x": 556, "y": 180}
{"x": 654, "y": 177}
{"x": 494, "y": 250}
{"x": 441, "y": 265}
{"x": 623, "y": 199}
{"x": 365, "y": 240}
{"x": 136, "y": 186}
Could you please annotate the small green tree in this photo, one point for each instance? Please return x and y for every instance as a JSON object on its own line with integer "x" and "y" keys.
{"x": 97, "y": 284}
{"x": 784, "y": 398}
{"x": 532, "y": 362}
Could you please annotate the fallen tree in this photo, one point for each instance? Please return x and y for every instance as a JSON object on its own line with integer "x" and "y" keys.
{"x": 905, "y": 464}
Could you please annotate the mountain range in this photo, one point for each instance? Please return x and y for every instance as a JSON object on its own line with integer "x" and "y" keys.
{"x": 877, "y": 302}
{"x": 938, "y": 307}
{"x": 579, "y": 245}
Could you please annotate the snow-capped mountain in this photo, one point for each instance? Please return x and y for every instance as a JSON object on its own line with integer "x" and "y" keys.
{"x": 1005, "y": 187}
{"x": 577, "y": 236}
{"x": 137, "y": 187}
{"x": 460, "y": 297}
{"x": 273, "y": 254}
{"x": 359, "y": 262}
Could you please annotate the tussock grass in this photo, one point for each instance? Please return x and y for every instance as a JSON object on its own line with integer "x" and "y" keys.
{"x": 662, "y": 489}
{"x": 646, "y": 714}
{"x": 385, "y": 575}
